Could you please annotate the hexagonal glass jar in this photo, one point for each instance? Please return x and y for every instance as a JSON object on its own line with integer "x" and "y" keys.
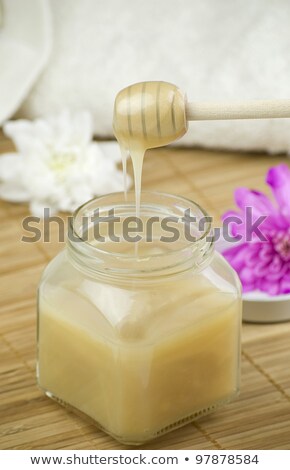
{"x": 140, "y": 337}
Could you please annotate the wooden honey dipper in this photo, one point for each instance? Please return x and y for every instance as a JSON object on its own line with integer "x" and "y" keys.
{"x": 153, "y": 114}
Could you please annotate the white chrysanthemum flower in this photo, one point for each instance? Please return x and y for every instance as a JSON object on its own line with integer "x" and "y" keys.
{"x": 57, "y": 165}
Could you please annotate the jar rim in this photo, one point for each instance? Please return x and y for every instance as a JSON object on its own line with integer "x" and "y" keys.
{"x": 155, "y": 193}
{"x": 89, "y": 250}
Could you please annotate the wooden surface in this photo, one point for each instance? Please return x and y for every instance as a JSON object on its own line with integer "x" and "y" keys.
{"x": 258, "y": 419}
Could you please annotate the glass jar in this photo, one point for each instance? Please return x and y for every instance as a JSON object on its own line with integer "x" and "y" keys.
{"x": 140, "y": 337}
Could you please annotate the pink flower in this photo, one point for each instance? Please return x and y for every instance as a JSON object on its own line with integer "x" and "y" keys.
{"x": 261, "y": 257}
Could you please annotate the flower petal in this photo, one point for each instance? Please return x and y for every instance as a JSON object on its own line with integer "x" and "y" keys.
{"x": 260, "y": 203}
{"x": 10, "y": 192}
{"x": 37, "y": 208}
{"x": 278, "y": 178}
{"x": 248, "y": 287}
{"x": 285, "y": 285}
{"x": 236, "y": 256}
{"x": 111, "y": 150}
{"x": 272, "y": 288}
{"x": 255, "y": 205}
{"x": 247, "y": 276}
{"x": 11, "y": 165}
{"x": 72, "y": 128}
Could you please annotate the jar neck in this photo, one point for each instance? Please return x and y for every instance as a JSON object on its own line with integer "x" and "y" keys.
{"x": 104, "y": 256}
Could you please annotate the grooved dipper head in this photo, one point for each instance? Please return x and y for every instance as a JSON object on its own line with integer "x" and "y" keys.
{"x": 149, "y": 114}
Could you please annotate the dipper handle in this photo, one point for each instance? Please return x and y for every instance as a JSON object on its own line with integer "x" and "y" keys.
{"x": 260, "y": 109}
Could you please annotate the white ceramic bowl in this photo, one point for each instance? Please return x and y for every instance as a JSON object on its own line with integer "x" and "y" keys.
{"x": 259, "y": 307}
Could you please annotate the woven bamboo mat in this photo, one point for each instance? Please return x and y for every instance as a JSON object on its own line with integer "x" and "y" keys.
{"x": 258, "y": 419}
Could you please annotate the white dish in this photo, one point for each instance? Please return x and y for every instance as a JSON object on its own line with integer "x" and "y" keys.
{"x": 259, "y": 307}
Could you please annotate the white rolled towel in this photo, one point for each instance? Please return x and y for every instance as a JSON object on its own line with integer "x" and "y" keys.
{"x": 212, "y": 50}
{"x": 25, "y": 44}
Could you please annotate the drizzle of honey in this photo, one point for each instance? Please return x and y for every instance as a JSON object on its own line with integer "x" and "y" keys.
{"x": 147, "y": 115}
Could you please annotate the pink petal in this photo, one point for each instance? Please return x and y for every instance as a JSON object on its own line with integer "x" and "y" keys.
{"x": 272, "y": 288}
{"x": 247, "y": 276}
{"x": 236, "y": 256}
{"x": 248, "y": 287}
{"x": 278, "y": 178}
{"x": 230, "y": 213}
{"x": 276, "y": 265}
{"x": 275, "y": 277}
{"x": 265, "y": 252}
{"x": 285, "y": 285}
{"x": 260, "y": 203}
{"x": 233, "y": 223}
{"x": 254, "y": 254}
{"x": 261, "y": 269}
{"x": 253, "y": 205}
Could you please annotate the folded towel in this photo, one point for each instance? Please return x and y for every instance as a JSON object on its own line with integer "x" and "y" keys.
{"x": 211, "y": 50}
{"x": 25, "y": 43}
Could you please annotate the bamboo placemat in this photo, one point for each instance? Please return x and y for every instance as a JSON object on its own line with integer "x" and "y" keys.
{"x": 258, "y": 419}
